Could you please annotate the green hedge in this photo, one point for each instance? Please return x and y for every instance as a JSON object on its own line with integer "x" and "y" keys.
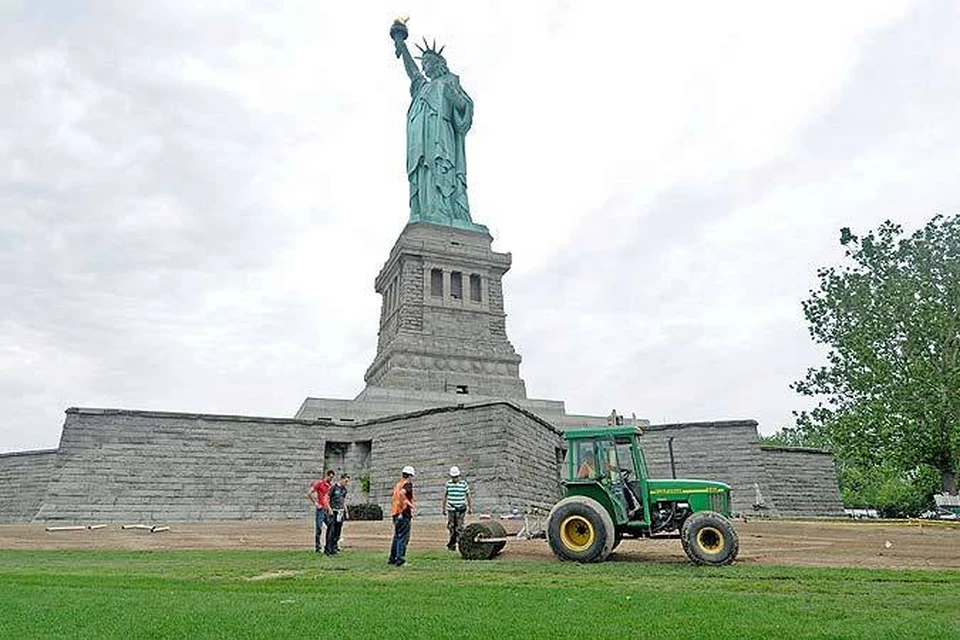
{"x": 368, "y": 511}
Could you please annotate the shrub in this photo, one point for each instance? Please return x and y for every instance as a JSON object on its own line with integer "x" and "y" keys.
{"x": 893, "y": 493}
{"x": 367, "y": 511}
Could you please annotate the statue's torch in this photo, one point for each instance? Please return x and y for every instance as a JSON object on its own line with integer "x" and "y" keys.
{"x": 398, "y": 32}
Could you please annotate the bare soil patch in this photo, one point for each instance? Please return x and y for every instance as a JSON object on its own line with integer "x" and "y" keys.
{"x": 883, "y": 544}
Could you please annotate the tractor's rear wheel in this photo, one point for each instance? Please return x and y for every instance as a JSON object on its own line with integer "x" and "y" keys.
{"x": 580, "y": 529}
{"x": 709, "y": 538}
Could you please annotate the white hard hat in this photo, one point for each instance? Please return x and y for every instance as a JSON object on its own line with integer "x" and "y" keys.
{"x": 454, "y": 471}
{"x": 409, "y": 471}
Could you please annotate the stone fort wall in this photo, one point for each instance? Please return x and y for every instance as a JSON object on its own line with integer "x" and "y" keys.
{"x": 142, "y": 466}
{"x": 506, "y": 454}
{"x": 24, "y": 477}
{"x": 801, "y": 482}
{"x": 790, "y": 482}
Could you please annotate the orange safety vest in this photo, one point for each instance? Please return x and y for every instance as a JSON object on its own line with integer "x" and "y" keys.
{"x": 400, "y": 501}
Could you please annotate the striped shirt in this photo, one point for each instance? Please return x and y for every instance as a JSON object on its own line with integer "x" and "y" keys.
{"x": 457, "y": 494}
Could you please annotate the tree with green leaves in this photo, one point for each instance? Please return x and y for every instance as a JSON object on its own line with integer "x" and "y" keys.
{"x": 889, "y": 394}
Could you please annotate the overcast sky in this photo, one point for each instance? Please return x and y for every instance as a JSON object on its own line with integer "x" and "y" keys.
{"x": 196, "y": 197}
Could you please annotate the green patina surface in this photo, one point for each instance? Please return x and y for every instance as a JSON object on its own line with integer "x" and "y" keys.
{"x": 438, "y": 119}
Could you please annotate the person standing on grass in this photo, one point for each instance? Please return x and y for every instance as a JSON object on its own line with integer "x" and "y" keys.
{"x": 319, "y": 496}
{"x": 456, "y": 503}
{"x": 337, "y": 502}
{"x": 401, "y": 509}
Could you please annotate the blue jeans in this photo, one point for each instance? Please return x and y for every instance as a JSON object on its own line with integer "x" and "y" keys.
{"x": 401, "y": 536}
{"x": 321, "y": 519}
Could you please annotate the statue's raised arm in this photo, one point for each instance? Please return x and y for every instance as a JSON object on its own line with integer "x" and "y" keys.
{"x": 438, "y": 119}
{"x": 398, "y": 31}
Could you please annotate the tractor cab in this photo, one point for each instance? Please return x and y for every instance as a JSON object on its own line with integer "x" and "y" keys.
{"x": 605, "y": 464}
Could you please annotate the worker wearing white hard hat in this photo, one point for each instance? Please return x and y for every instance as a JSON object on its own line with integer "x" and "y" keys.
{"x": 401, "y": 509}
{"x": 456, "y": 503}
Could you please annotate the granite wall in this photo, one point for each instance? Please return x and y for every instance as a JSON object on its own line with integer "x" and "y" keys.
{"x": 142, "y": 466}
{"x": 800, "y": 482}
{"x": 504, "y": 452}
{"x": 788, "y": 482}
{"x": 23, "y": 481}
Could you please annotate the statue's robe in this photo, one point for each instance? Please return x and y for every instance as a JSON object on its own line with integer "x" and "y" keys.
{"x": 439, "y": 117}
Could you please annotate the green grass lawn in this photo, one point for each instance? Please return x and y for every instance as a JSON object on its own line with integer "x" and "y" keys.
{"x": 265, "y": 594}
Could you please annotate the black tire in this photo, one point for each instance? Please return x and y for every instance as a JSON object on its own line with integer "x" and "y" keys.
{"x": 709, "y": 538}
{"x": 579, "y": 529}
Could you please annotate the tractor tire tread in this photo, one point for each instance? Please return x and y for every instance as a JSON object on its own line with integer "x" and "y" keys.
{"x": 731, "y": 541}
{"x": 592, "y": 510}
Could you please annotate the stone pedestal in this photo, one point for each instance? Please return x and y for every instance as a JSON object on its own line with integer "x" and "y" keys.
{"x": 442, "y": 324}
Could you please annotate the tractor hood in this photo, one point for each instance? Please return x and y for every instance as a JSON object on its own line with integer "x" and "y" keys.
{"x": 702, "y": 495}
{"x": 674, "y": 485}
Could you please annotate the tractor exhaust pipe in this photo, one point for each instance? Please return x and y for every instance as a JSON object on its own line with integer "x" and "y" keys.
{"x": 673, "y": 464}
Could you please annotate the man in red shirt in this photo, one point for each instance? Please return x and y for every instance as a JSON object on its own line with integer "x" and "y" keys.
{"x": 319, "y": 495}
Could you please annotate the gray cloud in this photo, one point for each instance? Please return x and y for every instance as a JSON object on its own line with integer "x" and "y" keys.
{"x": 133, "y": 198}
{"x": 660, "y": 314}
{"x": 198, "y": 202}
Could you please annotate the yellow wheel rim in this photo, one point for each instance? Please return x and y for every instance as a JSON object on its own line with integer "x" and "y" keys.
{"x": 710, "y": 539}
{"x": 577, "y": 533}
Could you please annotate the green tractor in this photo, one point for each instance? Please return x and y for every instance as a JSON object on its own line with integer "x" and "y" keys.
{"x": 609, "y": 496}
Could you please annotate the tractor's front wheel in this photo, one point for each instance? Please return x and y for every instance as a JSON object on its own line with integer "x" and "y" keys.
{"x": 580, "y": 529}
{"x": 709, "y": 538}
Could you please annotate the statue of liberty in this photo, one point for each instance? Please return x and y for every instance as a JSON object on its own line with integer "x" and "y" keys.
{"x": 438, "y": 119}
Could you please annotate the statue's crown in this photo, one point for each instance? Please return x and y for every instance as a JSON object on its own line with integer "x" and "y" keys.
{"x": 428, "y": 49}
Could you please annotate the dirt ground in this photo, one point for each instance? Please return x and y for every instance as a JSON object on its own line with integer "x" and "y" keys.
{"x": 899, "y": 545}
